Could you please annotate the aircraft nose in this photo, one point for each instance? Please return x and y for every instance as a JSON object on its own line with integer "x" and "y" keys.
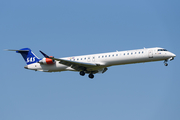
{"x": 173, "y": 55}
{"x": 26, "y": 67}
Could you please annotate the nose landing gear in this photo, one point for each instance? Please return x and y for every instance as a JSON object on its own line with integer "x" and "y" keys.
{"x": 165, "y": 63}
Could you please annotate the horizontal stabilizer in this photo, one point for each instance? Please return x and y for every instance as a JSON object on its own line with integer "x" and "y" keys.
{"x": 16, "y": 50}
{"x": 27, "y": 54}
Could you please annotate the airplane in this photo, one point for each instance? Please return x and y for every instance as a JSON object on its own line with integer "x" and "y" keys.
{"x": 94, "y": 63}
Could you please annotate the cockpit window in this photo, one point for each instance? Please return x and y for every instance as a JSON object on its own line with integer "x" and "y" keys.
{"x": 162, "y": 50}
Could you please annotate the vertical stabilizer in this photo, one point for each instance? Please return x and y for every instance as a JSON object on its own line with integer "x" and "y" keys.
{"x": 28, "y": 55}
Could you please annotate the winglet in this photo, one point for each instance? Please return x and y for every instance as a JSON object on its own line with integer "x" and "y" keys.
{"x": 46, "y": 56}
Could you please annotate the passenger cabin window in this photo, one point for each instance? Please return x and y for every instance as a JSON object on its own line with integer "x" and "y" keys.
{"x": 116, "y": 54}
{"x": 113, "y": 55}
{"x": 109, "y": 55}
{"x": 127, "y": 53}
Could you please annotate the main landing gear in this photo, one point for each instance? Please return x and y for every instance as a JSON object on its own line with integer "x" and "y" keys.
{"x": 82, "y": 73}
{"x": 91, "y": 76}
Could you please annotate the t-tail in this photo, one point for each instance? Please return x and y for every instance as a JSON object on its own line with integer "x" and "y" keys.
{"x": 28, "y": 55}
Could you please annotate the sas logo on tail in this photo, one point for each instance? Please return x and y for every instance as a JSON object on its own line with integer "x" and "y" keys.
{"x": 31, "y": 59}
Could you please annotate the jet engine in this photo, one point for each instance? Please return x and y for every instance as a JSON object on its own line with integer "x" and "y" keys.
{"x": 47, "y": 61}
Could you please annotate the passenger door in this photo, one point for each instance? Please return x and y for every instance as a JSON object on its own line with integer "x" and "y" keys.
{"x": 150, "y": 53}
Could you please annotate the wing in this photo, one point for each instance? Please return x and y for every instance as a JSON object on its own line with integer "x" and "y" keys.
{"x": 75, "y": 65}
{"x": 78, "y": 66}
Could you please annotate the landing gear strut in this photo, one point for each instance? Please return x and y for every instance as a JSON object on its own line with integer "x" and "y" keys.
{"x": 91, "y": 76}
{"x": 165, "y": 63}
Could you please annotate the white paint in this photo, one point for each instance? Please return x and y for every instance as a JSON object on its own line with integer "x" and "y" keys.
{"x": 97, "y": 62}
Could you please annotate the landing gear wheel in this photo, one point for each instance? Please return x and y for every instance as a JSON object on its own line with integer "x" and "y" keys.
{"x": 82, "y": 73}
{"x": 165, "y": 64}
{"x": 91, "y": 76}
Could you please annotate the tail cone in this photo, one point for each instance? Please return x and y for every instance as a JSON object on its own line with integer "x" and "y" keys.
{"x": 26, "y": 67}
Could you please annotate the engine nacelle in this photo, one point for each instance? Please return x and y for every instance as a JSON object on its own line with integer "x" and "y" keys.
{"x": 47, "y": 61}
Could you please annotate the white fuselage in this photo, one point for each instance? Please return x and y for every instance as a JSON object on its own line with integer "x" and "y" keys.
{"x": 104, "y": 60}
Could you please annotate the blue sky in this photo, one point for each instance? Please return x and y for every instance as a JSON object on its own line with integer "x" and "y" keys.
{"x": 68, "y": 28}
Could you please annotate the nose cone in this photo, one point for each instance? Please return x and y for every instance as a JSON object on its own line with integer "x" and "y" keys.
{"x": 173, "y": 55}
{"x": 26, "y": 67}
